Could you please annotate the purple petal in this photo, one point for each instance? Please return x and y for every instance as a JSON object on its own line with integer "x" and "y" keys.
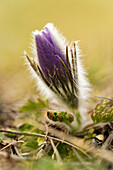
{"x": 52, "y": 39}
{"x": 47, "y": 35}
{"x": 49, "y": 53}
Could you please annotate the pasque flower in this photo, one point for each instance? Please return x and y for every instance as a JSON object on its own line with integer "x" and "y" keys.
{"x": 58, "y": 66}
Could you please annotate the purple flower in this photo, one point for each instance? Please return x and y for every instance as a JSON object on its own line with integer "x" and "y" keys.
{"x": 58, "y": 67}
{"x": 49, "y": 52}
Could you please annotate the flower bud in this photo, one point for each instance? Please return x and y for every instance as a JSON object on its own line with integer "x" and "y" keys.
{"x": 58, "y": 66}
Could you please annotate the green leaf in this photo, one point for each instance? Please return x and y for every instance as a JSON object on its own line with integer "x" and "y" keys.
{"x": 33, "y": 106}
{"x": 26, "y": 127}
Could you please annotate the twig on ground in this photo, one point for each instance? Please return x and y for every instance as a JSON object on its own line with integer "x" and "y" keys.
{"x": 56, "y": 147}
{"x": 46, "y": 130}
{"x": 73, "y": 141}
{"x": 56, "y": 151}
{"x": 108, "y": 141}
{"x": 80, "y": 158}
{"x": 18, "y": 153}
{"x": 12, "y": 143}
{"x": 50, "y": 137}
{"x": 15, "y": 157}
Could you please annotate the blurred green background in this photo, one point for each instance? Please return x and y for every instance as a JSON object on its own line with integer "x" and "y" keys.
{"x": 90, "y": 21}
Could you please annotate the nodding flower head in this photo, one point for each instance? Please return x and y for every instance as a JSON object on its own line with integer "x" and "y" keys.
{"x": 58, "y": 66}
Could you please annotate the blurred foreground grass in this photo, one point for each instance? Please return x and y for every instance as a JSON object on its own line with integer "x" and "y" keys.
{"x": 91, "y": 22}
